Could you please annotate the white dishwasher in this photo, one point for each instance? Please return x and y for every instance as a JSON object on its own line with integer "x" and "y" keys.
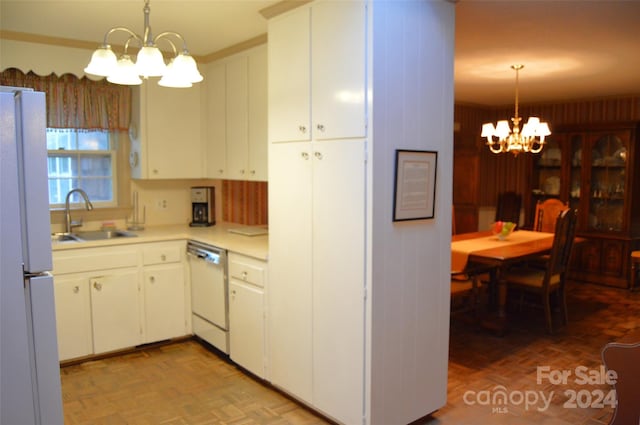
{"x": 209, "y": 294}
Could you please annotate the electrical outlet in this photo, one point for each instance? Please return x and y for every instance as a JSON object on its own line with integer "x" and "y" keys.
{"x": 161, "y": 204}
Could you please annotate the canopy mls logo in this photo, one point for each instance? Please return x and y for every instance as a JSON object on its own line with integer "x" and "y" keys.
{"x": 500, "y": 399}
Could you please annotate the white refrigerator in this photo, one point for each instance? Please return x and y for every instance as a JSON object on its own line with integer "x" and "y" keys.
{"x": 29, "y": 368}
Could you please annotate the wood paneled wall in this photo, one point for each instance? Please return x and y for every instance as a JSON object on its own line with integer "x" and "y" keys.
{"x": 580, "y": 111}
{"x": 244, "y": 202}
{"x": 503, "y": 172}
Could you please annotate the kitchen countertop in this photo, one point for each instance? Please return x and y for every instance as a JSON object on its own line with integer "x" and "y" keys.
{"x": 217, "y": 235}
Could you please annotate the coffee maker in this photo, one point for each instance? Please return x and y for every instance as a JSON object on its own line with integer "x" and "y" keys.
{"x": 203, "y": 211}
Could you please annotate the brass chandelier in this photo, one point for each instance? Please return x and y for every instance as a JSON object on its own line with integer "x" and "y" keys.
{"x": 180, "y": 71}
{"x": 502, "y": 139}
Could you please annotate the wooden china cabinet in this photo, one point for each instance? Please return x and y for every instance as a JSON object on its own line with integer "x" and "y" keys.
{"x": 595, "y": 169}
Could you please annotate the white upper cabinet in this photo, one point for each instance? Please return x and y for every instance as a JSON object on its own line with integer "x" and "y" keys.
{"x": 166, "y": 132}
{"x": 338, "y": 56}
{"x": 237, "y": 116}
{"x": 258, "y": 114}
{"x": 237, "y": 119}
{"x": 290, "y": 77}
{"x": 216, "y": 129}
{"x": 216, "y": 117}
{"x": 317, "y": 81}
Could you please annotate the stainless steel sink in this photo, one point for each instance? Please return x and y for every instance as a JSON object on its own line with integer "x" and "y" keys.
{"x": 98, "y": 235}
{"x": 64, "y": 237}
{"x": 93, "y": 235}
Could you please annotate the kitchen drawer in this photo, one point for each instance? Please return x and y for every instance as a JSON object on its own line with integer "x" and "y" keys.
{"x": 247, "y": 269}
{"x": 90, "y": 259}
{"x": 161, "y": 253}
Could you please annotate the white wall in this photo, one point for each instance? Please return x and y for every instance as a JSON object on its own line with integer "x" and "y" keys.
{"x": 43, "y": 59}
{"x": 413, "y": 49}
{"x": 176, "y": 193}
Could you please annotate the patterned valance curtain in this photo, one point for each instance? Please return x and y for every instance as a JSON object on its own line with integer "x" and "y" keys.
{"x": 79, "y": 103}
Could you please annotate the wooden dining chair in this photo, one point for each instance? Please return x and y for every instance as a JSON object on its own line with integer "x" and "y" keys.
{"x": 546, "y": 213}
{"x": 635, "y": 268}
{"x": 623, "y": 359}
{"x": 453, "y": 219}
{"x": 550, "y": 280}
{"x": 465, "y": 292}
{"x": 508, "y": 207}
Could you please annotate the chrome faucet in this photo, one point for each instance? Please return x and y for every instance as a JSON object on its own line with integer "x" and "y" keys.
{"x": 67, "y": 210}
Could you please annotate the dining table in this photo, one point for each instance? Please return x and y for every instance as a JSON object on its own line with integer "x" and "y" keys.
{"x": 483, "y": 251}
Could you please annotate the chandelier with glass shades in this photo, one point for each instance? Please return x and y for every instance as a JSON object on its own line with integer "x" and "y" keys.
{"x": 530, "y": 139}
{"x": 181, "y": 70}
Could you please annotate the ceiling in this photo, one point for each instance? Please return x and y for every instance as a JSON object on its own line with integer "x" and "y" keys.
{"x": 571, "y": 49}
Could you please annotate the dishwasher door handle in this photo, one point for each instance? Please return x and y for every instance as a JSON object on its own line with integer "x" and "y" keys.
{"x": 209, "y": 257}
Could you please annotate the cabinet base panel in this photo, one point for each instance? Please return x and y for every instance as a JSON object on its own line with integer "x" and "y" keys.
{"x": 115, "y": 353}
{"x": 211, "y": 333}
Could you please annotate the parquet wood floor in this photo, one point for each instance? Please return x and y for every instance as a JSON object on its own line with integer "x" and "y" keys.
{"x": 184, "y": 383}
{"x": 176, "y": 384}
{"x": 480, "y": 361}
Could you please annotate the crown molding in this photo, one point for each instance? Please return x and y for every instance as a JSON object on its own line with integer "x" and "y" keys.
{"x": 282, "y": 7}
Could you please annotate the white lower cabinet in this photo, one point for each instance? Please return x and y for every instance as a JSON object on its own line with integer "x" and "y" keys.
{"x": 73, "y": 316}
{"x": 164, "y": 291}
{"x": 247, "y": 313}
{"x": 164, "y": 307}
{"x": 316, "y": 274}
{"x": 97, "y": 311}
{"x": 111, "y": 298}
{"x": 115, "y": 310}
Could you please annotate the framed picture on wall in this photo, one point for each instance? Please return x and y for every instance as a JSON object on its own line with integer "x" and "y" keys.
{"x": 415, "y": 185}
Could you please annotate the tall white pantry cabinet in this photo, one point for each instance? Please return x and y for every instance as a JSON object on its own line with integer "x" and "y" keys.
{"x": 358, "y": 304}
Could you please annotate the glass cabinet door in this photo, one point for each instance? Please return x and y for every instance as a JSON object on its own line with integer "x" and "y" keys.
{"x": 575, "y": 173}
{"x": 608, "y": 178}
{"x": 547, "y": 172}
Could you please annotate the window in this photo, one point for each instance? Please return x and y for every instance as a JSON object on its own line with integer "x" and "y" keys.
{"x": 81, "y": 159}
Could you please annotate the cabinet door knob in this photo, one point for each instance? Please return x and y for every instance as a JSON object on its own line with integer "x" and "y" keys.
{"x": 253, "y": 172}
{"x": 163, "y": 257}
{"x": 302, "y": 129}
{"x": 152, "y": 279}
{"x": 155, "y": 171}
{"x": 320, "y": 127}
{"x": 76, "y": 289}
{"x": 97, "y": 286}
{"x": 241, "y": 171}
{"x": 220, "y": 171}
{"x": 305, "y": 155}
{"x": 317, "y": 155}
{"x": 244, "y": 275}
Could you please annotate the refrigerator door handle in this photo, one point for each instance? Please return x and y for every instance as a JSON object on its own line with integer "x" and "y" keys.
{"x": 40, "y": 295}
{"x": 32, "y": 179}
